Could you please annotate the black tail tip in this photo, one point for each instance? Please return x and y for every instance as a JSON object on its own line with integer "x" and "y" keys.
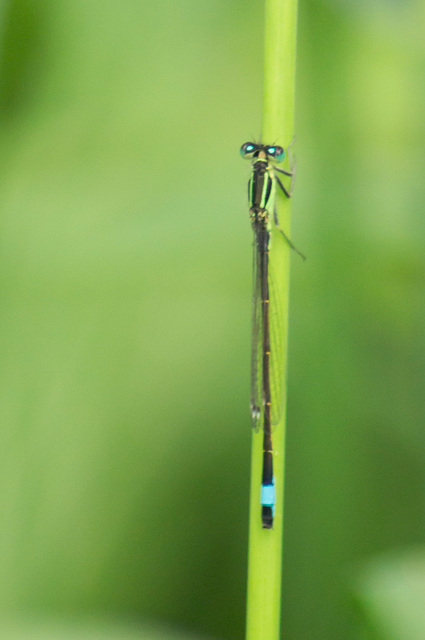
{"x": 267, "y": 517}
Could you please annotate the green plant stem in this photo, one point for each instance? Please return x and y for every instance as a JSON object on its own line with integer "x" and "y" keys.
{"x": 265, "y": 545}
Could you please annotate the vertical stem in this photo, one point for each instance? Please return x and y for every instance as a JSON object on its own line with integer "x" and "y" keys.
{"x": 265, "y": 545}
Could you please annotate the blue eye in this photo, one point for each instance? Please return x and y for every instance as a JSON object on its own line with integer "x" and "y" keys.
{"x": 247, "y": 148}
{"x": 278, "y": 153}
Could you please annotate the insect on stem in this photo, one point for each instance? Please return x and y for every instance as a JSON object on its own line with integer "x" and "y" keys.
{"x": 267, "y": 375}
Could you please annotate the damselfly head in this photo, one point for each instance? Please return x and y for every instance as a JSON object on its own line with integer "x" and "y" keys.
{"x": 254, "y": 150}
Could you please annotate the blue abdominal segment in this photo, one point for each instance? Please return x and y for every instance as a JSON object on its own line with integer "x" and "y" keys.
{"x": 268, "y": 495}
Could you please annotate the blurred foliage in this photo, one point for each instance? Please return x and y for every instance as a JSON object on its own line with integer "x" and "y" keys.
{"x": 391, "y": 592}
{"x": 125, "y": 306}
{"x": 37, "y": 627}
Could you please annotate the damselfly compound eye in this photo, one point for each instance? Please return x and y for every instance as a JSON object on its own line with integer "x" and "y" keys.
{"x": 278, "y": 153}
{"x": 247, "y": 149}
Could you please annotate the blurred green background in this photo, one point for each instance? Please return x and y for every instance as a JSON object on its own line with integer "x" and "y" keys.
{"x": 125, "y": 270}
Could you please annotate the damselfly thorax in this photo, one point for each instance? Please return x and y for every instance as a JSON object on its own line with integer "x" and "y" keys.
{"x": 259, "y": 191}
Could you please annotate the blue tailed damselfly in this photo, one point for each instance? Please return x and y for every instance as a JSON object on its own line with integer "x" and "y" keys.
{"x": 267, "y": 353}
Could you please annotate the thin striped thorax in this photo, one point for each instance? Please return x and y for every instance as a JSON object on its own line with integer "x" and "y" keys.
{"x": 262, "y": 181}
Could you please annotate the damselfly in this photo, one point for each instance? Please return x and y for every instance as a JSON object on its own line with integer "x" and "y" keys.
{"x": 268, "y": 335}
